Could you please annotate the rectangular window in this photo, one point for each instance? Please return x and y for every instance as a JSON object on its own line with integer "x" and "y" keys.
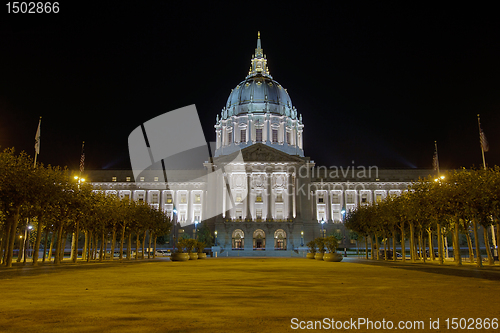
{"x": 258, "y": 214}
{"x": 229, "y": 138}
{"x": 126, "y": 196}
{"x": 279, "y": 197}
{"x": 168, "y": 199}
{"x": 140, "y": 197}
{"x": 154, "y": 198}
{"x": 364, "y": 198}
{"x": 279, "y": 214}
{"x": 289, "y": 138}
{"x": 182, "y": 216}
{"x": 350, "y": 198}
{"x": 258, "y": 134}
{"x": 141, "y": 179}
{"x": 128, "y": 179}
{"x": 183, "y": 198}
{"x": 197, "y": 215}
{"x": 321, "y": 198}
{"x": 258, "y": 198}
{"x": 239, "y": 214}
{"x": 156, "y": 179}
{"x": 335, "y": 198}
{"x": 243, "y": 135}
{"x": 379, "y": 197}
{"x": 275, "y": 135}
{"x": 197, "y": 198}
{"x": 113, "y": 179}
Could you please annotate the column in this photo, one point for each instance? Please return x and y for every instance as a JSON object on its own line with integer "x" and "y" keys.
{"x": 269, "y": 193}
{"x": 249, "y": 199}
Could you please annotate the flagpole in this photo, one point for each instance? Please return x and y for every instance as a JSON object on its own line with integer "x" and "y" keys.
{"x": 37, "y": 141}
{"x": 437, "y": 156}
{"x": 482, "y": 149}
{"x": 481, "y": 136}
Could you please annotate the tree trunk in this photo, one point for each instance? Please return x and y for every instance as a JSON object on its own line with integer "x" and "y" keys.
{"x": 394, "y": 255}
{"x": 45, "y": 242}
{"x": 129, "y": 246}
{"x": 143, "y": 243}
{"x": 2, "y": 244}
{"x": 149, "y": 249}
{"x": 366, "y": 246}
{"x": 113, "y": 243}
{"x": 102, "y": 252}
{"x": 385, "y": 247}
{"x": 38, "y": 240}
{"x": 412, "y": 242}
{"x": 122, "y": 239}
{"x": 456, "y": 249}
{"x": 52, "y": 239}
{"x": 377, "y": 247}
{"x": 88, "y": 253}
{"x": 137, "y": 244}
{"x": 479, "y": 262}
{"x": 469, "y": 245}
{"x": 440, "y": 244}
{"x": 403, "y": 245}
{"x": 425, "y": 247}
{"x": 487, "y": 246}
{"x": 372, "y": 247}
{"x": 498, "y": 238}
{"x": 431, "y": 245}
{"x": 95, "y": 243}
{"x": 74, "y": 254}
{"x": 85, "y": 245}
{"x": 57, "y": 257}
{"x": 154, "y": 251}
{"x": 422, "y": 250}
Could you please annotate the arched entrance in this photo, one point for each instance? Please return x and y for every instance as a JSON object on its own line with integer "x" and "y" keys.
{"x": 238, "y": 239}
{"x": 280, "y": 239}
{"x": 259, "y": 239}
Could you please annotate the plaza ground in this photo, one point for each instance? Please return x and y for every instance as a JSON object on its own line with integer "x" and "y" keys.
{"x": 239, "y": 295}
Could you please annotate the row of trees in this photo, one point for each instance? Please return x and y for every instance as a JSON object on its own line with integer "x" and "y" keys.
{"x": 55, "y": 206}
{"x": 456, "y": 203}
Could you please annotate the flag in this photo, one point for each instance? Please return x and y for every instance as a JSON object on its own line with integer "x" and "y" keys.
{"x": 37, "y": 137}
{"x": 82, "y": 158}
{"x": 484, "y": 143}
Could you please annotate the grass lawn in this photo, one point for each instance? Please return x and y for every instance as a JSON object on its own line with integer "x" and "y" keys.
{"x": 238, "y": 295}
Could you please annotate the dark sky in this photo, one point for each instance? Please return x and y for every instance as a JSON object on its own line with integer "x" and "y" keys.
{"x": 376, "y": 83}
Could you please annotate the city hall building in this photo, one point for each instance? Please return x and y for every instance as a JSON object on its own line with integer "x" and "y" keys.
{"x": 275, "y": 199}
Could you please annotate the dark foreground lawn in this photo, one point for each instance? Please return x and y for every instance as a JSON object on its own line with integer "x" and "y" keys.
{"x": 239, "y": 295}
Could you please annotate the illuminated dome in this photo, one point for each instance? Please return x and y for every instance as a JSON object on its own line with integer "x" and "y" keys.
{"x": 259, "y": 110}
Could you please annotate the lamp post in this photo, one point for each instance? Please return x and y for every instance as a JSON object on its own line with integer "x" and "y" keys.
{"x": 302, "y": 238}
{"x": 343, "y": 221}
{"x": 215, "y": 237}
{"x": 322, "y": 231}
{"x": 195, "y": 229}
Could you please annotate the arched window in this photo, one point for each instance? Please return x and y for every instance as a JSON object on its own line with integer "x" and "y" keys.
{"x": 238, "y": 239}
{"x": 259, "y": 239}
{"x": 280, "y": 239}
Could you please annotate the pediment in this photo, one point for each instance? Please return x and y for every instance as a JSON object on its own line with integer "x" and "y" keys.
{"x": 262, "y": 153}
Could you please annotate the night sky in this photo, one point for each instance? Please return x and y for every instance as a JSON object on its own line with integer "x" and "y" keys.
{"x": 376, "y": 83}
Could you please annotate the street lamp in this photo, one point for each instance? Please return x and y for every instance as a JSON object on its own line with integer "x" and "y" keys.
{"x": 195, "y": 229}
{"x": 302, "y": 238}
{"x": 322, "y": 231}
{"x": 215, "y": 237}
{"x": 343, "y": 221}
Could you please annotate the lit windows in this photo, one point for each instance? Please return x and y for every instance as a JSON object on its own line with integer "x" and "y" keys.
{"x": 168, "y": 199}
{"x": 288, "y": 138}
{"x": 183, "y": 198}
{"x": 321, "y": 198}
{"x": 258, "y": 198}
{"x": 258, "y": 214}
{"x": 197, "y": 198}
{"x": 113, "y": 179}
{"x": 335, "y": 198}
{"x": 229, "y": 138}
{"x": 154, "y": 198}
